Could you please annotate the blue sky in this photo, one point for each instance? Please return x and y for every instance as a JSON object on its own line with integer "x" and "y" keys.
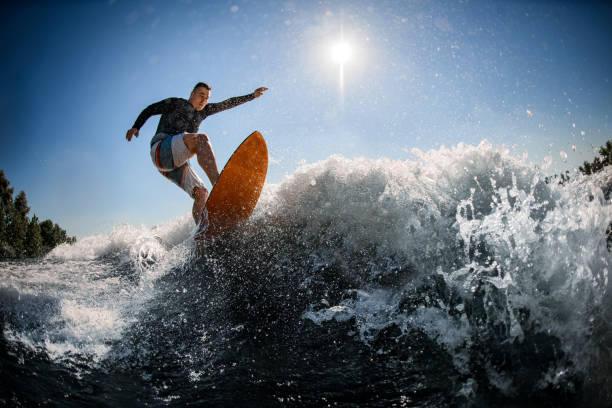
{"x": 534, "y": 76}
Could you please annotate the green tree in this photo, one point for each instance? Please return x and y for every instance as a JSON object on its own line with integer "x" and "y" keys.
{"x": 17, "y": 228}
{"x": 5, "y": 252}
{"x": 59, "y": 235}
{"x": 53, "y": 235}
{"x": 604, "y": 159}
{"x": 21, "y": 205}
{"x": 6, "y": 192}
{"x": 20, "y": 236}
{"x": 34, "y": 243}
{"x": 18, "y": 225}
{"x": 46, "y": 232}
{"x": 6, "y": 208}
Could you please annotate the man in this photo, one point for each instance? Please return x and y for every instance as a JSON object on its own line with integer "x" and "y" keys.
{"x": 177, "y": 140}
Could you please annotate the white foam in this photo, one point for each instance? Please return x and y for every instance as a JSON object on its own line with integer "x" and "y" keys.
{"x": 546, "y": 243}
{"x": 545, "y": 250}
{"x": 98, "y": 286}
{"x": 125, "y": 237}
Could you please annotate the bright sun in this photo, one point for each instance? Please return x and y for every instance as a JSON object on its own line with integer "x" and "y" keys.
{"x": 341, "y": 52}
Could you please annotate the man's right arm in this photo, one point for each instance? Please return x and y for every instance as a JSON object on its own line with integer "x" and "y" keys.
{"x": 158, "y": 108}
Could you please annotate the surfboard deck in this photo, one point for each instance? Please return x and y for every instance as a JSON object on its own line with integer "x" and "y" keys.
{"x": 236, "y": 192}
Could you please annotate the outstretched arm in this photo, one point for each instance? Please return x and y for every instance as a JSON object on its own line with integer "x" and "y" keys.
{"x": 158, "y": 108}
{"x": 213, "y": 108}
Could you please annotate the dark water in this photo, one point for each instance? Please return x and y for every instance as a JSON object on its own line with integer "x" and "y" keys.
{"x": 459, "y": 280}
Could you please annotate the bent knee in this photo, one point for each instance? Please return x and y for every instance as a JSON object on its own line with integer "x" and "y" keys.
{"x": 200, "y": 193}
{"x": 195, "y": 136}
{"x": 202, "y": 138}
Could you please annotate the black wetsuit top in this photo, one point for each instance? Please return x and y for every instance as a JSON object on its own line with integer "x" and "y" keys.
{"x": 178, "y": 115}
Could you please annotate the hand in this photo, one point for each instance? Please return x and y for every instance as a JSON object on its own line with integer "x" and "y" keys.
{"x": 131, "y": 133}
{"x": 259, "y": 91}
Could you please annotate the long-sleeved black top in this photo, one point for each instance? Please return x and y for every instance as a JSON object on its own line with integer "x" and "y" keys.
{"x": 178, "y": 115}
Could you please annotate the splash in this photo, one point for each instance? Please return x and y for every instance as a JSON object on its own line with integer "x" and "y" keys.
{"x": 74, "y": 304}
{"x": 467, "y": 250}
{"x": 517, "y": 256}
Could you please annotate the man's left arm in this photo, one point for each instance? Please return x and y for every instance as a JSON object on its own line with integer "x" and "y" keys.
{"x": 212, "y": 108}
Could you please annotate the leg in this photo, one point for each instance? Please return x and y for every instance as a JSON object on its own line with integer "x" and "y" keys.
{"x": 199, "y": 145}
{"x": 188, "y": 180}
{"x": 174, "y": 152}
{"x": 199, "y": 200}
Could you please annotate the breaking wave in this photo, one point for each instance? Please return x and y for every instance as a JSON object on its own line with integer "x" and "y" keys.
{"x": 459, "y": 278}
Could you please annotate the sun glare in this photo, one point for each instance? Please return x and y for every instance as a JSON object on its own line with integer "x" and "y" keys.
{"x": 341, "y": 52}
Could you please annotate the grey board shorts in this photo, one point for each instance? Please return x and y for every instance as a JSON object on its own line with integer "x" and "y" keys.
{"x": 171, "y": 157}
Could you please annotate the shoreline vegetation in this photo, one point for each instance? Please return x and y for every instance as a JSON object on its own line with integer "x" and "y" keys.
{"x": 23, "y": 237}
{"x": 604, "y": 159}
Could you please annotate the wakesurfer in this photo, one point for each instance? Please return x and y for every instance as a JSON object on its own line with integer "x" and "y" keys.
{"x": 177, "y": 140}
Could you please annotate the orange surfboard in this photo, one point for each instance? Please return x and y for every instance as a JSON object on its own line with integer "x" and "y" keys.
{"x": 235, "y": 194}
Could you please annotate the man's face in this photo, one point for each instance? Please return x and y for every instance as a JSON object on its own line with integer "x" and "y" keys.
{"x": 199, "y": 98}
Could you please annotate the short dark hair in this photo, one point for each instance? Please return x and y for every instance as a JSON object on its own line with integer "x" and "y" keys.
{"x": 201, "y": 85}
